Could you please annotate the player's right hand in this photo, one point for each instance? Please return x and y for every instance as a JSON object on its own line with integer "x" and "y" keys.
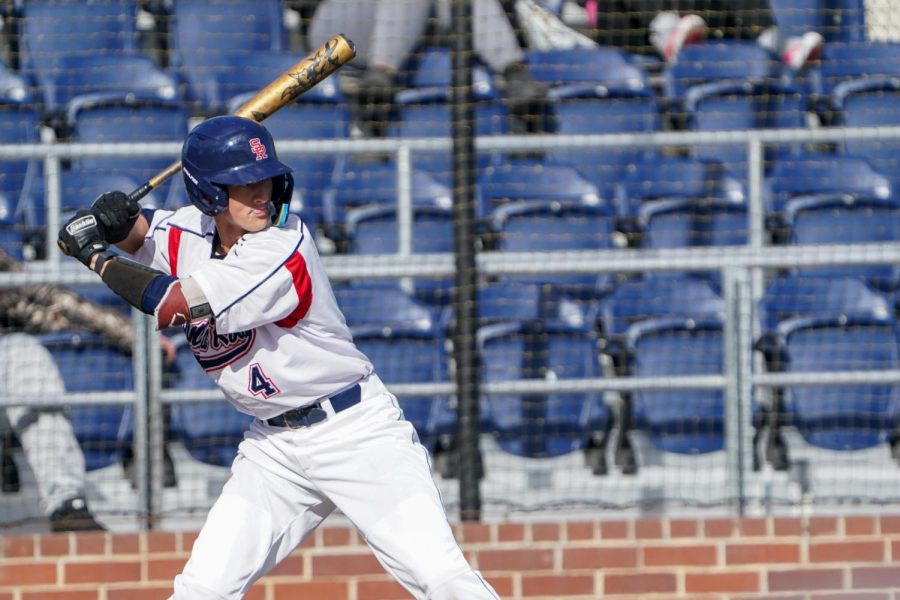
{"x": 82, "y": 236}
{"x": 117, "y": 213}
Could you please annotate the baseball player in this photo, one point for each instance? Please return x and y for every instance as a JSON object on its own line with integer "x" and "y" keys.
{"x": 244, "y": 280}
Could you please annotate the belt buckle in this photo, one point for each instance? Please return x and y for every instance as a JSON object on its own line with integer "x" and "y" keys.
{"x": 296, "y": 419}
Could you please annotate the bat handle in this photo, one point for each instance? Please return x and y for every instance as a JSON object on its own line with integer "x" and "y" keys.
{"x": 157, "y": 180}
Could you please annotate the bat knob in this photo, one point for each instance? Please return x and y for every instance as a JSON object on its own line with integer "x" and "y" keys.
{"x": 64, "y": 248}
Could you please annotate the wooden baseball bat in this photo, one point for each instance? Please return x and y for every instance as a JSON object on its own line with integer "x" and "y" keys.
{"x": 297, "y": 80}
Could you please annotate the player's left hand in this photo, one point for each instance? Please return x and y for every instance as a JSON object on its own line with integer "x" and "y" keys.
{"x": 82, "y": 236}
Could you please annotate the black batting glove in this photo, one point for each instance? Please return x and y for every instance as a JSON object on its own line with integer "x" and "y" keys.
{"x": 117, "y": 213}
{"x": 82, "y": 236}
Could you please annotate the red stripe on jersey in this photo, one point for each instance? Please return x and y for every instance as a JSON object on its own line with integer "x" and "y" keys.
{"x": 303, "y": 285}
{"x": 174, "y": 243}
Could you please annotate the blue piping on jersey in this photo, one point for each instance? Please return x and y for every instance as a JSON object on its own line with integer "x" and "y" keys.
{"x": 264, "y": 279}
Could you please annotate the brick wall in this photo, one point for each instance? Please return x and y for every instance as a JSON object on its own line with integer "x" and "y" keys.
{"x": 820, "y": 558}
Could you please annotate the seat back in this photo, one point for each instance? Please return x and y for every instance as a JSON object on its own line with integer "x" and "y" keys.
{"x": 841, "y": 417}
{"x": 836, "y": 20}
{"x": 677, "y": 420}
{"x": 541, "y": 425}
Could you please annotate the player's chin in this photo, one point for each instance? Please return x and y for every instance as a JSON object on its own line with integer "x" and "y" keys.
{"x": 257, "y": 222}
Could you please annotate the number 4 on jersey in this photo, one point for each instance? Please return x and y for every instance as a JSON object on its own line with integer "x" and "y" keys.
{"x": 260, "y": 384}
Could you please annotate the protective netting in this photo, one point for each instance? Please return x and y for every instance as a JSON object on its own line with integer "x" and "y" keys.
{"x": 642, "y": 386}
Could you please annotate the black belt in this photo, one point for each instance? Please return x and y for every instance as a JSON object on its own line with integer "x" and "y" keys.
{"x": 314, "y": 413}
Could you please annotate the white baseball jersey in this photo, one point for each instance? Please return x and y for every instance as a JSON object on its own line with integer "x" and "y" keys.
{"x": 277, "y": 339}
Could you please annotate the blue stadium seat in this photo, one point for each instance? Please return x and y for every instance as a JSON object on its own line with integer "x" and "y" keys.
{"x": 733, "y": 85}
{"x": 872, "y": 104}
{"x": 374, "y": 230}
{"x": 541, "y": 425}
{"x": 382, "y": 303}
{"x": 78, "y": 188}
{"x": 208, "y": 36}
{"x": 813, "y": 174}
{"x": 431, "y": 68}
{"x": 425, "y": 113}
{"x": 106, "y": 118}
{"x": 847, "y": 219}
{"x": 536, "y": 225}
{"x": 676, "y": 420}
{"x": 21, "y": 181}
{"x": 626, "y": 108}
{"x": 210, "y": 431}
{"x": 79, "y": 74}
{"x": 321, "y": 113}
{"x": 653, "y": 296}
{"x": 836, "y": 20}
{"x": 841, "y": 417}
{"x": 660, "y": 177}
{"x": 54, "y": 30}
{"x": 88, "y": 363}
{"x": 413, "y": 355}
{"x": 603, "y": 65}
{"x": 513, "y": 180}
{"x": 375, "y": 184}
{"x": 847, "y": 66}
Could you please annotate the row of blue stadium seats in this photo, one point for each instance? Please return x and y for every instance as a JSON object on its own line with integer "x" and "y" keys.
{"x": 654, "y": 326}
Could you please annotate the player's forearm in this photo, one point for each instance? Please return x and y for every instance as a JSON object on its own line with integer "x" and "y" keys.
{"x": 136, "y": 236}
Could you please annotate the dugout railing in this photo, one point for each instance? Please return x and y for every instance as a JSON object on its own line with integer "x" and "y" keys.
{"x": 741, "y": 268}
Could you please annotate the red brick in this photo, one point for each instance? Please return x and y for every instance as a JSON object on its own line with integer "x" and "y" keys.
{"x": 514, "y": 560}
{"x": 90, "y": 543}
{"x": 290, "y": 566}
{"x": 805, "y": 580}
{"x": 718, "y": 528}
{"x": 852, "y": 596}
{"x": 127, "y": 544}
{"x": 502, "y": 584}
{"x": 187, "y": 540}
{"x": 639, "y": 583}
{"x": 648, "y": 529}
{"x": 101, "y": 571}
{"x": 545, "y": 532}
{"x": 846, "y": 552}
{"x": 599, "y": 558}
{"x": 510, "y": 532}
{"x": 54, "y": 545}
{"x": 581, "y": 531}
{"x": 320, "y": 590}
{"x": 35, "y": 573}
{"x": 895, "y": 550}
{"x": 859, "y": 525}
{"x": 470, "y": 533}
{"x": 142, "y": 593}
{"x": 18, "y": 546}
{"x": 721, "y": 582}
{"x": 875, "y": 577}
{"x": 683, "y": 528}
{"x": 788, "y": 526}
{"x": 382, "y": 589}
{"x": 823, "y": 525}
{"x": 164, "y": 569}
{"x": 755, "y": 526}
{"x": 61, "y": 595}
{"x": 346, "y": 564}
{"x": 614, "y": 530}
{"x": 889, "y": 524}
{"x": 670, "y": 556}
{"x": 748, "y": 554}
{"x": 770, "y": 597}
{"x": 557, "y": 586}
{"x": 335, "y": 536}
{"x": 160, "y": 541}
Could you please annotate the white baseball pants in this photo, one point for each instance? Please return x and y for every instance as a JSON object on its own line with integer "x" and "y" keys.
{"x": 365, "y": 461}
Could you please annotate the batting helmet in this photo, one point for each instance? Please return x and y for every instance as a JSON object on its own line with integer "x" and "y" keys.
{"x": 229, "y": 150}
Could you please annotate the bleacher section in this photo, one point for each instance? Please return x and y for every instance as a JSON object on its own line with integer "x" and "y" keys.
{"x": 655, "y": 449}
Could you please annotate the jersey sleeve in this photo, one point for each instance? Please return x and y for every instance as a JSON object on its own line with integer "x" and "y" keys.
{"x": 155, "y": 252}
{"x": 264, "y": 279}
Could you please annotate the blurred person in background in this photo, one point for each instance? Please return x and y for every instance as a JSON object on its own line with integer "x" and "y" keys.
{"x": 387, "y": 32}
{"x": 663, "y": 27}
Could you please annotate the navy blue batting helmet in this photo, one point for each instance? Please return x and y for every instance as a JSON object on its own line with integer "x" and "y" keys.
{"x": 230, "y": 150}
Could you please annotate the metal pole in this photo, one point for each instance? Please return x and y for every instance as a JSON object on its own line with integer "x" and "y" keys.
{"x": 465, "y": 276}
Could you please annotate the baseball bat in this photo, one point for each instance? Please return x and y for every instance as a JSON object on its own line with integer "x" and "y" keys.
{"x": 297, "y": 80}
